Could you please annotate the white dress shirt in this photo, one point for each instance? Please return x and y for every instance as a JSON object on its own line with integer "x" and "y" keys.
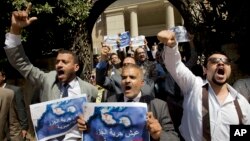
{"x": 136, "y": 99}
{"x": 221, "y": 115}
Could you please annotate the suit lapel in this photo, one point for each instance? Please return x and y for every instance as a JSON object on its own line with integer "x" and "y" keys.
{"x": 55, "y": 91}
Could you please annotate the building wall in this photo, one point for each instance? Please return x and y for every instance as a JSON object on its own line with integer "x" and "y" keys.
{"x": 151, "y": 18}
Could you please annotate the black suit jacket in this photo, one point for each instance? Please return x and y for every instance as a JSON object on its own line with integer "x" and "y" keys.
{"x": 159, "y": 108}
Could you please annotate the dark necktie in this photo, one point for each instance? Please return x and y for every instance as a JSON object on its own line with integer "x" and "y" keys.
{"x": 65, "y": 90}
{"x": 130, "y": 100}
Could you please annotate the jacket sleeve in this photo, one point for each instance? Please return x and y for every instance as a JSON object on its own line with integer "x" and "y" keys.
{"x": 161, "y": 113}
{"x": 20, "y": 62}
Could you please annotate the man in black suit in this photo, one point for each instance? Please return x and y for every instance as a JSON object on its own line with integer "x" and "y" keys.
{"x": 159, "y": 123}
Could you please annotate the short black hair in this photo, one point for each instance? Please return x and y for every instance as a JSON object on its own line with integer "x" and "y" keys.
{"x": 77, "y": 59}
{"x": 208, "y": 54}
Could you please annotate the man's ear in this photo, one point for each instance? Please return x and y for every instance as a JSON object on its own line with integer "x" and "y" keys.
{"x": 142, "y": 82}
{"x": 77, "y": 67}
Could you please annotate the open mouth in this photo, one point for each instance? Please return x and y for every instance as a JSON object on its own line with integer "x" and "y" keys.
{"x": 128, "y": 88}
{"x": 60, "y": 73}
{"x": 221, "y": 71}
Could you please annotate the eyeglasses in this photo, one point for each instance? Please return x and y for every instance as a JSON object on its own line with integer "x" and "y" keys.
{"x": 217, "y": 60}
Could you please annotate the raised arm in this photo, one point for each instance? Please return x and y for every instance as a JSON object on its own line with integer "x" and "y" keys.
{"x": 172, "y": 60}
{"x": 14, "y": 49}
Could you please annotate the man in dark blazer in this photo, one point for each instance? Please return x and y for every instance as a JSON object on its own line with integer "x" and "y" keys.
{"x": 159, "y": 123}
{"x": 19, "y": 121}
{"x": 51, "y": 84}
{"x": 6, "y": 108}
{"x": 113, "y": 83}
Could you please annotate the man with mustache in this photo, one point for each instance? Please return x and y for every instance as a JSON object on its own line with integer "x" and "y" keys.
{"x": 159, "y": 122}
{"x": 56, "y": 84}
{"x": 210, "y": 105}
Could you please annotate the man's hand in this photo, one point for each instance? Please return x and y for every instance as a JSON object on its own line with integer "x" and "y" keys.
{"x": 167, "y": 37}
{"x": 81, "y": 123}
{"x": 20, "y": 19}
{"x": 154, "y": 126}
{"x": 24, "y": 133}
{"x": 105, "y": 51}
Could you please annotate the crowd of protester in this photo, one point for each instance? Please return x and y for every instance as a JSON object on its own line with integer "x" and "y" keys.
{"x": 163, "y": 76}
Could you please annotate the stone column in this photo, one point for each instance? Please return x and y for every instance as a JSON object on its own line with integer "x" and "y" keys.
{"x": 133, "y": 21}
{"x": 170, "y": 21}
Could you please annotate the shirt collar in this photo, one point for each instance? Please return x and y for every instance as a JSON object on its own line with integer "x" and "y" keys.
{"x": 136, "y": 99}
{"x": 231, "y": 90}
{"x": 72, "y": 83}
{"x": 4, "y": 85}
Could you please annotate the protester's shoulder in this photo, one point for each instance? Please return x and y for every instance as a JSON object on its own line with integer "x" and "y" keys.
{"x": 85, "y": 83}
{"x": 6, "y": 91}
{"x": 242, "y": 81}
{"x": 242, "y": 99}
{"x": 13, "y": 87}
{"x": 158, "y": 101}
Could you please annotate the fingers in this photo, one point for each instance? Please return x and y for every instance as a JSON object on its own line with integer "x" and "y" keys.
{"x": 32, "y": 19}
{"x": 28, "y": 9}
{"x": 154, "y": 126}
{"x": 81, "y": 123}
{"x": 20, "y": 15}
{"x": 150, "y": 115}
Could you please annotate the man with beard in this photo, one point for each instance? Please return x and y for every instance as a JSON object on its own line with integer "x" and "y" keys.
{"x": 159, "y": 122}
{"x": 56, "y": 84}
{"x": 210, "y": 105}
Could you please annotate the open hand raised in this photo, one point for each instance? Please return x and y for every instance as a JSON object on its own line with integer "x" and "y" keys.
{"x": 20, "y": 19}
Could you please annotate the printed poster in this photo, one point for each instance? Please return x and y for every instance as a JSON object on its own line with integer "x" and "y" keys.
{"x": 116, "y": 122}
{"x": 123, "y": 39}
{"x": 55, "y": 118}
{"x": 138, "y": 41}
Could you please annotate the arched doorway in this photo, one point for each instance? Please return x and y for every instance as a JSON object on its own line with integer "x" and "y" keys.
{"x": 151, "y": 17}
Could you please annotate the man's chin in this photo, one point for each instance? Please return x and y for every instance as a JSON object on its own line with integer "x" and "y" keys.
{"x": 61, "y": 79}
{"x": 128, "y": 95}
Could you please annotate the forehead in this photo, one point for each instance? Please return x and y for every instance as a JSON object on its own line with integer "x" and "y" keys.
{"x": 217, "y": 56}
{"x": 114, "y": 56}
{"x": 140, "y": 49}
{"x": 130, "y": 71}
{"x": 129, "y": 60}
{"x": 106, "y": 47}
{"x": 64, "y": 56}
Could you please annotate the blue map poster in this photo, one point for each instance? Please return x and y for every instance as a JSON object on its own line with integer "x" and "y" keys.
{"x": 123, "y": 39}
{"x": 116, "y": 122}
{"x": 55, "y": 118}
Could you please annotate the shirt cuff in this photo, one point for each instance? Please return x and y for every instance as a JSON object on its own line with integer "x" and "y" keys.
{"x": 12, "y": 40}
{"x": 171, "y": 50}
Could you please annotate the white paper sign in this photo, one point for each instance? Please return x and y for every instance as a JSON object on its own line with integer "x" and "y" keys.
{"x": 138, "y": 41}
